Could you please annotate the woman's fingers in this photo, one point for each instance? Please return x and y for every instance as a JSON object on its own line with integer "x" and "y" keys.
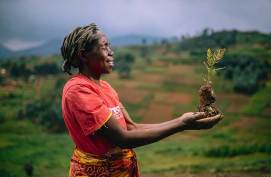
{"x": 215, "y": 118}
{"x": 209, "y": 121}
{"x": 199, "y": 120}
{"x": 198, "y": 115}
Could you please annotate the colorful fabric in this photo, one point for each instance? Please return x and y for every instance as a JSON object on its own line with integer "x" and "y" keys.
{"x": 117, "y": 163}
{"x": 86, "y": 107}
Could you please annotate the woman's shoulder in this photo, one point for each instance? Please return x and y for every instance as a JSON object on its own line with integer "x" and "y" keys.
{"x": 107, "y": 86}
{"x": 77, "y": 82}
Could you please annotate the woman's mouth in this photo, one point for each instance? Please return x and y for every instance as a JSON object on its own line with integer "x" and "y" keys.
{"x": 110, "y": 63}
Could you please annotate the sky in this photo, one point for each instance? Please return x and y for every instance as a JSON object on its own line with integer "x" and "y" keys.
{"x": 28, "y": 23}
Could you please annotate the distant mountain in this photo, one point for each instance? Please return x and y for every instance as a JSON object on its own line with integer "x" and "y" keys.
{"x": 195, "y": 43}
{"x": 53, "y": 46}
{"x": 4, "y": 52}
{"x": 48, "y": 48}
{"x": 134, "y": 40}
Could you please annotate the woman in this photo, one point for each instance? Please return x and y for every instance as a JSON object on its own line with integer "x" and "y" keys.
{"x": 99, "y": 125}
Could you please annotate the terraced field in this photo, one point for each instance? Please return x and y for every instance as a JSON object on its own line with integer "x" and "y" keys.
{"x": 239, "y": 146}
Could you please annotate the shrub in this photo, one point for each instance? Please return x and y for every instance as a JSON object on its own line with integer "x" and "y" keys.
{"x": 45, "y": 112}
{"x": 2, "y": 117}
{"x": 46, "y": 68}
{"x": 228, "y": 151}
{"x": 124, "y": 63}
{"x": 19, "y": 70}
{"x": 4, "y": 173}
{"x": 259, "y": 101}
{"x": 247, "y": 73}
{"x": 2, "y": 79}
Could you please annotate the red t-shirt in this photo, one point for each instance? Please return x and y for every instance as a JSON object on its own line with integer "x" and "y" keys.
{"x": 86, "y": 107}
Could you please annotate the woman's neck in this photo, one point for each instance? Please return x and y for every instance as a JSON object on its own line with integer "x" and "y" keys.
{"x": 91, "y": 75}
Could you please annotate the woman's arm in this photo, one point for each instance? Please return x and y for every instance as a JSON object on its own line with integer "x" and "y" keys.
{"x": 139, "y": 137}
{"x": 131, "y": 124}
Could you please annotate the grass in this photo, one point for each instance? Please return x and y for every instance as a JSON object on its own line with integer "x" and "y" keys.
{"x": 189, "y": 157}
{"x": 151, "y": 69}
{"x": 252, "y": 50}
{"x": 225, "y": 148}
{"x": 11, "y": 100}
{"x": 170, "y": 85}
{"x": 44, "y": 152}
{"x": 50, "y": 153}
{"x": 180, "y": 109}
{"x": 222, "y": 149}
{"x": 259, "y": 102}
{"x": 232, "y": 151}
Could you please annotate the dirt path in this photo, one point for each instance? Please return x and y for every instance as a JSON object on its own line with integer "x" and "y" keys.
{"x": 157, "y": 113}
{"x": 236, "y": 102}
{"x": 172, "y": 98}
{"x": 131, "y": 95}
{"x": 245, "y": 122}
{"x": 150, "y": 77}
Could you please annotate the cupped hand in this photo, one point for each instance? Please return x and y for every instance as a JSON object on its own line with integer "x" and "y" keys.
{"x": 199, "y": 120}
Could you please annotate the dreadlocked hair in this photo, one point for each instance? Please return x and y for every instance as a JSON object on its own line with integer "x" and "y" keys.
{"x": 84, "y": 37}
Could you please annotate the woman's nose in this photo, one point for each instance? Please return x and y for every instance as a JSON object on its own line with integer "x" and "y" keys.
{"x": 111, "y": 53}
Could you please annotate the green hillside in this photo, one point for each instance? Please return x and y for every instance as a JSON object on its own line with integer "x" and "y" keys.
{"x": 161, "y": 82}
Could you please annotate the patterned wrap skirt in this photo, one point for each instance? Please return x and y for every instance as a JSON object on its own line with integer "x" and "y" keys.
{"x": 118, "y": 163}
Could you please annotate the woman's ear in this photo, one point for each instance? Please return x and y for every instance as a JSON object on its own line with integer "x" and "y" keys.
{"x": 82, "y": 55}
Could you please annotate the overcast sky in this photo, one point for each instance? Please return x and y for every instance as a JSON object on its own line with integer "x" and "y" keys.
{"x": 24, "y": 23}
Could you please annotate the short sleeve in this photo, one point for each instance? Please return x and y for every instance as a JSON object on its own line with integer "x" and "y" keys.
{"x": 88, "y": 108}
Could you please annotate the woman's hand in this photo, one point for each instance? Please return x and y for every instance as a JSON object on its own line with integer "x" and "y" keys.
{"x": 198, "y": 120}
{"x": 150, "y": 133}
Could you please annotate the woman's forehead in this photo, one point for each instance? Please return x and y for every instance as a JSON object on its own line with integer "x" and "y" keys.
{"x": 103, "y": 39}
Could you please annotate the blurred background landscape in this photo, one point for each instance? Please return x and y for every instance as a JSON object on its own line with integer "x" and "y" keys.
{"x": 159, "y": 52}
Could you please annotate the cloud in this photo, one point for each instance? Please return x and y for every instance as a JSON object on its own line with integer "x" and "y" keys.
{"x": 18, "y": 44}
{"x": 43, "y": 20}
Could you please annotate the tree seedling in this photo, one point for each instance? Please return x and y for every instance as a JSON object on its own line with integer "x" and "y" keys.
{"x": 207, "y": 96}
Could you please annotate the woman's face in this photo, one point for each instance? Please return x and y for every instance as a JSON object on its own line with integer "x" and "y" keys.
{"x": 102, "y": 61}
